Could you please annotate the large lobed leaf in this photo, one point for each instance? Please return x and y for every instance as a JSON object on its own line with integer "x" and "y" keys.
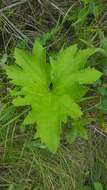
{"x": 52, "y": 90}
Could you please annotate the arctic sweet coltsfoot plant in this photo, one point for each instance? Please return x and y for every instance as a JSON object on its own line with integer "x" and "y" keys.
{"x": 53, "y": 89}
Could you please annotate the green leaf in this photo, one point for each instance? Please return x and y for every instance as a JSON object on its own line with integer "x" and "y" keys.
{"x": 80, "y": 125}
{"x": 11, "y": 187}
{"x": 98, "y": 186}
{"x": 72, "y": 135}
{"x": 103, "y": 91}
{"x": 72, "y": 60}
{"x": 51, "y": 90}
{"x": 85, "y": 2}
{"x": 77, "y": 130}
{"x": 103, "y": 105}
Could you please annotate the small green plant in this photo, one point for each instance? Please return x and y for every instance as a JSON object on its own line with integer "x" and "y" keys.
{"x": 103, "y": 100}
{"x": 98, "y": 186}
{"x": 52, "y": 89}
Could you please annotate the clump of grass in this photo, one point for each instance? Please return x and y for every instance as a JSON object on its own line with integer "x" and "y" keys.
{"x": 26, "y": 166}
